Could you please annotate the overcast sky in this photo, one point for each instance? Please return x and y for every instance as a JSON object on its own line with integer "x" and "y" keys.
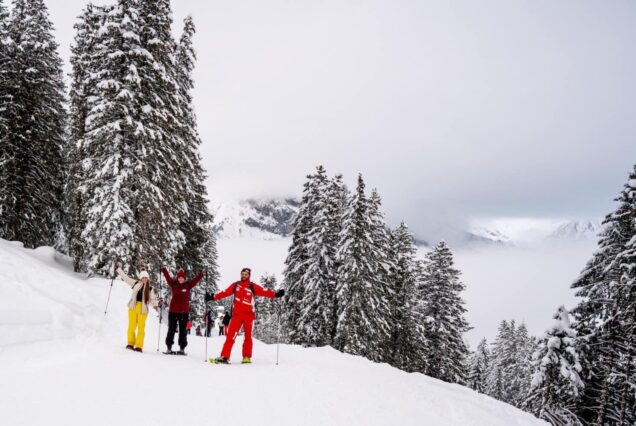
{"x": 453, "y": 110}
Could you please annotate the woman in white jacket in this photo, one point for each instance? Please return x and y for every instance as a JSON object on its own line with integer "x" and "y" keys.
{"x": 143, "y": 294}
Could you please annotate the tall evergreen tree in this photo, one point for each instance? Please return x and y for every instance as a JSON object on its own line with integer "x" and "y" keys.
{"x": 523, "y": 371}
{"x": 196, "y": 223}
{"x": 604, "y": 318}
{"x": 408, "y": 334}
{"x": 267, "y": 311}
{"x": 361, "y": 295}
{"x": 502, "y": 361}
{"x": 478, "y": 367}
{"x": 445, "y": 311}
{"x": 556, "y": 382}
{"x": 298, "y": 259}
{"x": 315, "y": 322}
{"x": 5, "y": 77}
{"x": 34, "y": 118}
{"x": 131, "y": 141}
{"x": 83, "y": 86}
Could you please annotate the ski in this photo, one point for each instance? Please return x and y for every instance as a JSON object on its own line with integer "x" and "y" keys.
{"x": 175, "y": 353}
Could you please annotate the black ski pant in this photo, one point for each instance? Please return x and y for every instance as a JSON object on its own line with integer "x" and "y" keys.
{"x": 177, "y": 320}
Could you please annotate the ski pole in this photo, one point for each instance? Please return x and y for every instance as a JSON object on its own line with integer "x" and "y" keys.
{"x": 109, "y": 291}
{"x": 278, "y": 336}
{"x": 160, "y": 312}
{"x": 207, "y": 317}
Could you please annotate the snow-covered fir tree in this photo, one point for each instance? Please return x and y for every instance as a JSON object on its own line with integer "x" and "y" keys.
{"x": 361, "y": 296}
{"x": 526, "y": 346}
{"x": 316, "y": 318}
{"x": 209, "y": 284}
{"x": 83, "y": 86}
{"x": 408, "y": 320}
{"x": 556, "y": 382}
{"x": 138, "y": 193}
{"x": 297, "y": 260}
{"x": 478, "y": 367}
{"x": 5, "y": 77}
{"x": 446, "y": 325}
{"x": 605, "y": 321}
{"x": 199, "y": 244}
{"x": 502, "y": 361}
{"x": 267, "y": 313}
{"x": 33, "y": 116}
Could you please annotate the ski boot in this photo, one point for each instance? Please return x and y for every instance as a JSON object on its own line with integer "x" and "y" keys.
{"x": 180, "y": 352}
{"x": 246, "y": 360}
{"x": 220, "y": 360}
{"x": 138, "y": 350}
{"x": 130, "y": 347}
{"x": 169, "y": 351}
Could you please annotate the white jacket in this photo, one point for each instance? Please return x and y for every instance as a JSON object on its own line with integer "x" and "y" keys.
{"x": 137, "y": 286}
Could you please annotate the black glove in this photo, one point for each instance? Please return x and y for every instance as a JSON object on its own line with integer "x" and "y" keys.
{"x": 280, "y": 293}
{"x": 208, "y": 297}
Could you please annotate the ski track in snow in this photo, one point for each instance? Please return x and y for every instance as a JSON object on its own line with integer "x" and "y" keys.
{"x": 63, "y": 362}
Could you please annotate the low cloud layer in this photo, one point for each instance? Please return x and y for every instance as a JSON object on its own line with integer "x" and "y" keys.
{"x": 453, "y": 111}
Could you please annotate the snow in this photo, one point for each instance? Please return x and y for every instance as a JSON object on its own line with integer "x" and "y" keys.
{"x": 62, "y": 362}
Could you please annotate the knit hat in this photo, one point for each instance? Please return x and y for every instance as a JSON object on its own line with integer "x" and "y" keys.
{"x": 144, "y": 274}
{"x": 181, "y": 273}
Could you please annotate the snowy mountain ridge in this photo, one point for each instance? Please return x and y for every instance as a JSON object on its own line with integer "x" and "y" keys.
{"x": 54, "y": 332}
{"x": 272, "y": 218}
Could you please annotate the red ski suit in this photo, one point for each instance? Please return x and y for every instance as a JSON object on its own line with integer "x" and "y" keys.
{"x": 242, "y": 314}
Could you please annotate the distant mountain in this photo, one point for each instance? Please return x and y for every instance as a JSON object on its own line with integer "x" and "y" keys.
{"x": 263, "y": 219}
{"x": 576, "y": 230}
{"x": 273, "y": 218}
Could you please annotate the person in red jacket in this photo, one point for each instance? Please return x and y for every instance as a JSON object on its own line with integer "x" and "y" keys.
{"x": 244, "y": 292}
{"x": 179, "y": 309}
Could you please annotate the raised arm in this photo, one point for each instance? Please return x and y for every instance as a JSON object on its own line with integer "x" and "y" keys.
{"x": 263, "y": 292}
{"x": 125, "y": 277}
{"x": 166, "y": 274}
{"x": 194, "y": 281}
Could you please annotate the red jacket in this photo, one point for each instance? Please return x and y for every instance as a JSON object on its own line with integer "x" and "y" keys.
{"x": 180, "y": 301}
{"x": 243, "y": 297}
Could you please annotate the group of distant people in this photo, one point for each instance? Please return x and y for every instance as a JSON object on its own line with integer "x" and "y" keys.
{"x": 241, "y": 316}
{"x": 222, "y": 322}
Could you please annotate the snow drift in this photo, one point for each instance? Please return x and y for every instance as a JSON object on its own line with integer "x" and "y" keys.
{"x": 63, "y": 362}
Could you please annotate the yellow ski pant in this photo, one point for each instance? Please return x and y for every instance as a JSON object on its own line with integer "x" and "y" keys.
{"x": 136, "y": 326}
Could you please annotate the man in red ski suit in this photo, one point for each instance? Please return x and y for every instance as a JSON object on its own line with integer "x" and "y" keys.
{"x": 244, "y": 292}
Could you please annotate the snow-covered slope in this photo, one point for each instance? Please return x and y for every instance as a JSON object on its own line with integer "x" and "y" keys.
{"x": 62, "y": 362}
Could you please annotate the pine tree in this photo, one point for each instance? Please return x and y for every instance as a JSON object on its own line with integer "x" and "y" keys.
{"x": 34, "y": 118}
{"x": 297, "y": 261}
{"x": 523, "y": 371}
{"x": 408, "y": 336}
{"x": 6, "y": 83}
{"x": 361, "y": 295}
{"x": 556, "y": 382}
{"x": 478, "y": 367}
{"x": 267, "y": 312}
{"x": 209, "y": 266}
{"x": 131, "y": 143}
{"x": 196, "y": 223}
{"x": 604, "y": 318}
{"x": 316, "y": 318}
{"x": 502, "y": 361}
{"x": 5, "y": 76}
{"x": 83, "y": 85}
{"x": 445, "y": 311}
